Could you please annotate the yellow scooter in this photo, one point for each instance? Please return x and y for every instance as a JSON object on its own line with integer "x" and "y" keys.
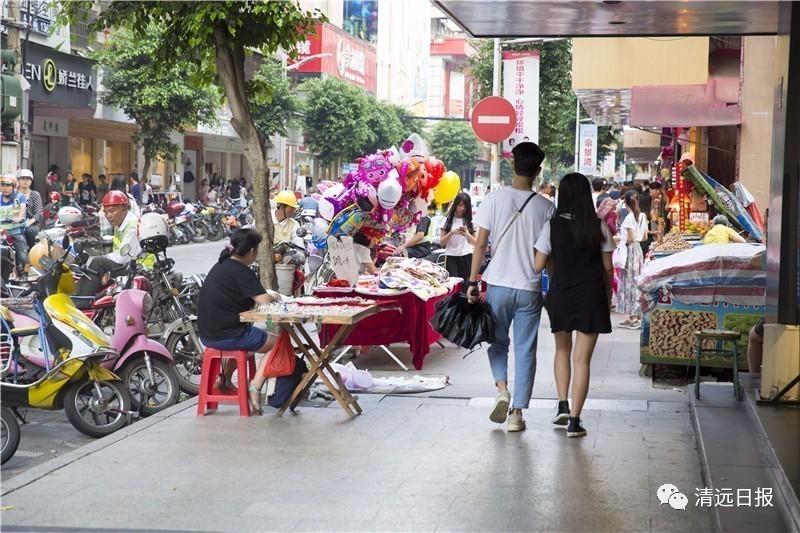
{"x": 65, "y": 372}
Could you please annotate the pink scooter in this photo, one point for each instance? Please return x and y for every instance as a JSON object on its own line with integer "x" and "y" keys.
{"x": 144, "y": 365}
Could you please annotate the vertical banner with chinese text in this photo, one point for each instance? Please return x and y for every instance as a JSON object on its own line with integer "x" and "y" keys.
{"x": 521, "y": 88}
{"x": 588, "y": 150}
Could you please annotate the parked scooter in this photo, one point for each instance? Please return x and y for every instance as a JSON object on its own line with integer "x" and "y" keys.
{"x": 9, "y": 434}
{"x": 143, "y": 364}
{"x": 55, "y": 356}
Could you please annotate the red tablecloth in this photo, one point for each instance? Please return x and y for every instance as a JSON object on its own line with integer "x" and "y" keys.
{"x": 412, "y": 324}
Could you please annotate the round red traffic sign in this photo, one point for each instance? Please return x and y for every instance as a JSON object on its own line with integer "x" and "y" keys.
{"x": 493, "y": 119}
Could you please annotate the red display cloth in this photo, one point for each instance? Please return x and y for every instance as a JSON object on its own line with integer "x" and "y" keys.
{"x": 412, "y": 324}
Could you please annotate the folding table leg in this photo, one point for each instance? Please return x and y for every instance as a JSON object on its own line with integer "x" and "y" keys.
{"x": 393, "y": 356}
{"x": 318, "y": 364}
{"x": 327, "y": 354}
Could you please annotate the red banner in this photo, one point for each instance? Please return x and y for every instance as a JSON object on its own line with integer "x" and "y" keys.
{"x": 339, "y": 55}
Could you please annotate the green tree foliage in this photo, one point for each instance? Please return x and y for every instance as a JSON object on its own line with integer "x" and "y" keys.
{"x": 216, "y": 37}
{"x": 556, "y": 100}
{"x": 274, "y": 104}
{"x": 157, "y": 99}
{"x": 410, "y": 123}
{"x": 455, "y": 144}
{"x": 335, "y": 119}
{"x": 481, "y": 66}
{"x": 384, "y": 125}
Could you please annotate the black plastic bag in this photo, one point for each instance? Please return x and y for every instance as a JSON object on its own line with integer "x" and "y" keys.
{"x": 462, "y": 323}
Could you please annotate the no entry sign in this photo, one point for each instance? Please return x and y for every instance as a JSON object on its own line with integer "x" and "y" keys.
{"x": 493, "y": 119}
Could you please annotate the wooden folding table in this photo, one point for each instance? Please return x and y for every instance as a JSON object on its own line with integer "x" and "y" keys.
{"x": 319, "y": 359}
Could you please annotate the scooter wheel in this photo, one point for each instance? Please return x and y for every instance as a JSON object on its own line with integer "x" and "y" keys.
{"x": 150, "y": 397}
{"x": 97, "y": 415}
{"x": 188, "y": 360}
{"x": 9, "y": 434}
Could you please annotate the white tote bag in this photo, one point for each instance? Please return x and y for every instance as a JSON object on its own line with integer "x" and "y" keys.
{"x": 620, "y": 255}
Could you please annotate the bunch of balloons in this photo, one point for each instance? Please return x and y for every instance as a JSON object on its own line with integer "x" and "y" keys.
{"x": 390, "y": 190}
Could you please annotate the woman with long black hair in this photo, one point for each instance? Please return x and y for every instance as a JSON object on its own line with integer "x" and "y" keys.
{"x": 458, "y": 237}
{"x": 230, "y": 288}
{"x": 632, "y": 232}
{"x": 577, "y": 245}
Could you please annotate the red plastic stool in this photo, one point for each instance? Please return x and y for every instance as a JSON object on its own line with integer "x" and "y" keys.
{"x": 210, "y": 397}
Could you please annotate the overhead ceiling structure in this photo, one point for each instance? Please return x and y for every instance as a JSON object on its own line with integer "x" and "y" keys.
{"x": 533, "y": 18}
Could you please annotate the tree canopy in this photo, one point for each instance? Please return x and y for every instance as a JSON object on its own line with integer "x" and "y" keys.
{"x": 157, "y": 99}
{"x": 455, "y": 144}
{"x": 274, "y": 104}
{"x": 217, "y": 37}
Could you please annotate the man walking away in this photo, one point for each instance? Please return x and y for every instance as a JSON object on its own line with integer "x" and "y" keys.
{"x": 512, "y": 218}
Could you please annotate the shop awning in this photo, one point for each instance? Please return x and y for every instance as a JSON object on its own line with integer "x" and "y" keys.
{"x": 530, "y": 18}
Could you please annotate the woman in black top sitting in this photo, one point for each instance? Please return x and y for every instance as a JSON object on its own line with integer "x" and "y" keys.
{"x": 578, "y": 246}
{"x": 230, "y": 288}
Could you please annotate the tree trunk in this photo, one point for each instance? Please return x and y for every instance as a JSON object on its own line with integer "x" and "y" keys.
{"x": 230, "y": 74}
{"x": 146, "y": 167}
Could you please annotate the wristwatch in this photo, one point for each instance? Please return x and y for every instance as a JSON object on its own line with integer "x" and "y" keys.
{"x": 472, "y": 284}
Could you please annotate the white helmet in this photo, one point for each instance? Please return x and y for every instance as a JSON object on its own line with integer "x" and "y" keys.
{"x": 68, "y": 215}
{"x": 153, "y": 232}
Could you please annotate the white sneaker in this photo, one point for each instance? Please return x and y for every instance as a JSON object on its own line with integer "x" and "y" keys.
{"x": 515, "y": 421}
{"x": 500, "y": 409}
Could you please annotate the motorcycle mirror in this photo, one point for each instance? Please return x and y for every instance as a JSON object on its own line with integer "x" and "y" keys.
{"x": 65, "y": 242}
{"x": 301, "y": 232}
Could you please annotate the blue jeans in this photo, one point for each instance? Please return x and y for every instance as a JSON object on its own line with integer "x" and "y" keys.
{"x": 524, "y": 309}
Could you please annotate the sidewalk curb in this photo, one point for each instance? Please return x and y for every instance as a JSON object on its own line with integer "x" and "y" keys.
{"x": 45, "y": 469}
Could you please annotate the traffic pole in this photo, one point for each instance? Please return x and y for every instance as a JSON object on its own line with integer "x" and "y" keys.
{"x": 494, "y": 173}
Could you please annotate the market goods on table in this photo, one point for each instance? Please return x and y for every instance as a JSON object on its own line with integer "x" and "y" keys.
{"x": 672, "y": 241}
{"x": 424, "y": 278}
{"x": 291, "y": 312}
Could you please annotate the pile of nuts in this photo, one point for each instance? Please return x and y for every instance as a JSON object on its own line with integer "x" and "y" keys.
{"x": 672, "y": 332}
{"x": 672, "y": 242}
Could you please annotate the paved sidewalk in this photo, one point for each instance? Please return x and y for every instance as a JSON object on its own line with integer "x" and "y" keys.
{"x": 409, "y": 463}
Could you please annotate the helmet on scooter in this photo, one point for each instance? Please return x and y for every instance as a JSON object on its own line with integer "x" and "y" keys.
{"x": 113, "y": 198}
{"x": 68, "y": 215}
{"x": 55, "y": 197}
{"x": 153, "y": 233}
{"x": 37, "y": 255}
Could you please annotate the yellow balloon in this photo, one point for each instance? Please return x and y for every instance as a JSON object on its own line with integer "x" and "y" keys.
{"x": 448, "y": 188}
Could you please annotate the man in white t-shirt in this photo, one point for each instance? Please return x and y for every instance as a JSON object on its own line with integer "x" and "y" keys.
{"x": 514, "y": 292}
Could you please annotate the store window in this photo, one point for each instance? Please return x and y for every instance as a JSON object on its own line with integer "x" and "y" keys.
{"x": 118, "y": 157}
{"x": 80, "y": 152}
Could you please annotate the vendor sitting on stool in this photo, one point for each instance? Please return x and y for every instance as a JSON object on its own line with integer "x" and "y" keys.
{"x": 722, "y": 233}
{"x": 230, "y": 288}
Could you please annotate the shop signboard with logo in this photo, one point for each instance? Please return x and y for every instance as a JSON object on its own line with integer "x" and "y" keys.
{"x": 59, "y": 78}
{"x": 334, "y": 52}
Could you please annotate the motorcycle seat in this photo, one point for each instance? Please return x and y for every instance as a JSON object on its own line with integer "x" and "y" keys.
{"x": 24, "y": 331}
{"x": 83, "y": 302}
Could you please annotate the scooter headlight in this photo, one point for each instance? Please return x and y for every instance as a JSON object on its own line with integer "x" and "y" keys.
{"x": 147, "y": 305}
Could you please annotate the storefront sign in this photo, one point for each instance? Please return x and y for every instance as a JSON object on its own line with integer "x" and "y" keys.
{"x": 59, "y": 78}
{"x": 521, "y": 88}
{"x": 50, "y": 126}
{"x": 339, "y": 55}
{"x": 37, "y": 15}
{"x": 588, "y": 149}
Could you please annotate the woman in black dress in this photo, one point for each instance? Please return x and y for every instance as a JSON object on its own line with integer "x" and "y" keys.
{"x": 576, "y": 246}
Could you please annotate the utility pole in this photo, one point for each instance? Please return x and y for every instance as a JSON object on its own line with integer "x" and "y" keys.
{"x": 494, "y": 173}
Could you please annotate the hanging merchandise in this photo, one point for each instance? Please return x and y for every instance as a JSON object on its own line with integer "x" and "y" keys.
{"x": 724, "y": 201}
